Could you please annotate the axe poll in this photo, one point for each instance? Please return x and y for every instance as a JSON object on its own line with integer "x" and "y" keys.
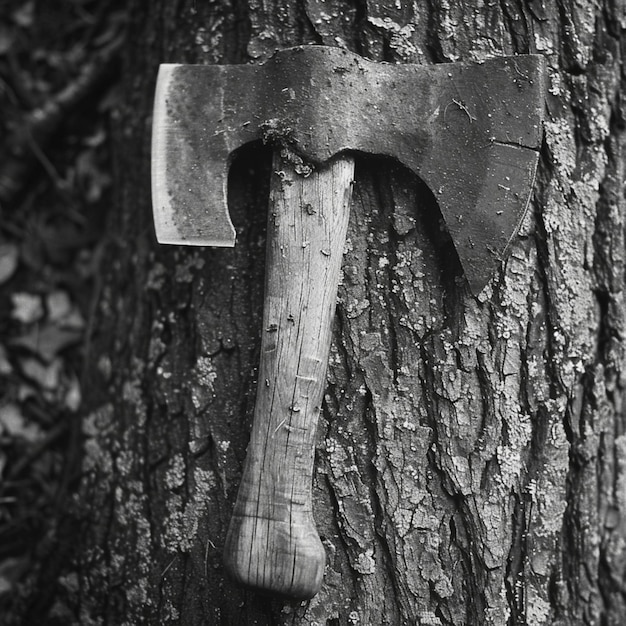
{"x": 470, "y": 131}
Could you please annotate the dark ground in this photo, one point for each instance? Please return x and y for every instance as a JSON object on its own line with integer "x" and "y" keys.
{"x": 58, "y": 72}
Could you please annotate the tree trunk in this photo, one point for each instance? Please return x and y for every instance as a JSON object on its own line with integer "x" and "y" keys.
{"x": 471, "y": 454}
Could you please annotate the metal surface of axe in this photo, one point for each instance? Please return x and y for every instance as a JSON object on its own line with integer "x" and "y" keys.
{"x": 471, "y": 132}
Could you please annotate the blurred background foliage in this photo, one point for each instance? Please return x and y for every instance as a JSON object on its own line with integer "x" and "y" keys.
{"x": 59, "y": 67}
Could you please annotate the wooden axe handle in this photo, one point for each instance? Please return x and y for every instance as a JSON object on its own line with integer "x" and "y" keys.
{"x": 272, "y": 543}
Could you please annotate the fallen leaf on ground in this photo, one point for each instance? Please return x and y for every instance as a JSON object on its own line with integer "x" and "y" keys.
{"x": 13, "y": 422}
{"x": 5, "y": 366}
{"x": 26, "y": 392}
{"x": 6, "y": 39}
{"x": 11, "y": 570}
{"x": 46, "y": 376}
{"x": 48, "y": 341}
{"x": 9, "y": 256}
{"x": 24, "y": 15}
{"x": 73, "y": 397}
{"x": 27, "y": 307}
{"x": 59, "y": 305}
{"x": 74, "y": 320}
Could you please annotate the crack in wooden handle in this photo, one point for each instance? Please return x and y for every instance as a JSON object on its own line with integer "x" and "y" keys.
{"x": 272, "y": 543}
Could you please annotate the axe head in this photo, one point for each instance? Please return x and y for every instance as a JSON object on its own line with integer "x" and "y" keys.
{"x": 471, "y": 131}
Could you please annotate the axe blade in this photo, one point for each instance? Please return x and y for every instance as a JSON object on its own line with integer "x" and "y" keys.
{"x": 471, "y": 131}
{"x": 189, "y": 176}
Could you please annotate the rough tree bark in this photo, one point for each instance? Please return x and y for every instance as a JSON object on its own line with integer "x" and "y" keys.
{"x": 471, "y": 456}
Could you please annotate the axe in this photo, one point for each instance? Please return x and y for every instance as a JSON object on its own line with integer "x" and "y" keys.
{"x": 471, "y": 132}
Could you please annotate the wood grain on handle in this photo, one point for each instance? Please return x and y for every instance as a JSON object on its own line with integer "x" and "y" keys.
{"x": 272, "y": 543}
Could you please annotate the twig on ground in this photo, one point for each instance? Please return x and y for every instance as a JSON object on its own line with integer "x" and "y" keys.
{"x": 26, "y": 146}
